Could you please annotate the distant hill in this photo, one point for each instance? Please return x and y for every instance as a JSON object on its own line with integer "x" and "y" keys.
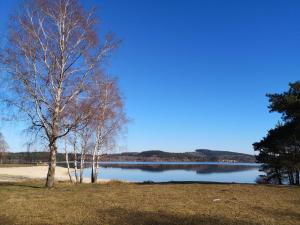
{"x": 199, "y": 155}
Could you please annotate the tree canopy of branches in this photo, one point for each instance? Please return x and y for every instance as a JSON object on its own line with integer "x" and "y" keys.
{"x": 279, "y": 151}
{"x": 52, "y": 58}
{"x": 105, "y": 120}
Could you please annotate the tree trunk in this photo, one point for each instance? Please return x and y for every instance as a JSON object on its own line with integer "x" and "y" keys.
{"x": 297, "y": 177}
{"x": 291, "y": 177}
{"x": 67, "y": 161}
{"x": 81, "y": 167}
{"x": 94, "y": 175}
{"x": 94, "y": 172}
{"x": 52, "y": 165}
{"x": 76, "y": 167}
{"x": 68, "y": 166}
{"x": 96, "y": 169}
{"x": 279, "y": 177}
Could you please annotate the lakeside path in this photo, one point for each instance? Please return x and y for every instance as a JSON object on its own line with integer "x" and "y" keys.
{"x": 17, "y": 174}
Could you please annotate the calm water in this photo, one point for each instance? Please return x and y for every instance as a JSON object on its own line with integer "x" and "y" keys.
{"x": 174, "y": 171}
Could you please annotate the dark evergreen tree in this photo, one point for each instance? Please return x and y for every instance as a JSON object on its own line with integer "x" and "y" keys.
{"x": 279, "y": 151}
{"x": 287, "y": 103}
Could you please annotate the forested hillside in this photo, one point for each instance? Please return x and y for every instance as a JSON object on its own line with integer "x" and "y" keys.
{"x": 199, "y": 155}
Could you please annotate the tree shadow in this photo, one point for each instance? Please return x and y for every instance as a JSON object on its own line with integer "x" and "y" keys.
{"x": 119, "y": 216}
{"x": 4, "y": 220}
{"x": 279, "y": 213}
{"x": 15, "y": 184}
{"x": 189, "y": 182}
{"x": 279, "y": 186}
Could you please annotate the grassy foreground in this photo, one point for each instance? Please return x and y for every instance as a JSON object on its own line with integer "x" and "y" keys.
{"x": 148, "y": 204}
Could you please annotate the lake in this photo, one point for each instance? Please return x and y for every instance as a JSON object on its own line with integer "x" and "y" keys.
{"x": 178, "y": 171}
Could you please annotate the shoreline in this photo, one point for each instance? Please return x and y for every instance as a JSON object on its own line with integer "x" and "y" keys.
{"x": 39, "y": 172}
{"x": 25, "y": 173}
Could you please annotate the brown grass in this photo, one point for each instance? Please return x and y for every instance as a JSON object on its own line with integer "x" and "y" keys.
{"x": 148, "y": 204}
{"x": 16, "y": 165}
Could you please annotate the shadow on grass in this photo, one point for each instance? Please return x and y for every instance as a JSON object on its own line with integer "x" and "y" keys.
{"x": 282, "y": 186}
{"x": 4, "y": 220}
{"x": 119, "y": 216}
{"x": 15, "y": 184}
{"x": 189, "y": 182}
{"x": 280, "y": 214}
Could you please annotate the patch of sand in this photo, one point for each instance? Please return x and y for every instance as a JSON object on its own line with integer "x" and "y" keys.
{"x": 13, "y": 174}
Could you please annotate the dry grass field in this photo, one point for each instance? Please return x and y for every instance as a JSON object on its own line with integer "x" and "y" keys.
{"x": 116, "y": 203}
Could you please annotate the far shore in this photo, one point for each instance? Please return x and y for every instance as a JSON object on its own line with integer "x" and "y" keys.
{"x": 21, "y": 173}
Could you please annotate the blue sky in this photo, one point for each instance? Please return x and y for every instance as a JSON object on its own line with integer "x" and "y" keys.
{"x": 195, "y": 73}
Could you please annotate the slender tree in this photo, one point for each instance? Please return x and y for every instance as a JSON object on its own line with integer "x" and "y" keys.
{"x": 3, "y": 148}
{"x": 79, "y": 138}
{"x": 51, "y": 57}
{"x": 67, "y": 160}
{"x": 108, "y": 118}
{"x": 84, "y": 138}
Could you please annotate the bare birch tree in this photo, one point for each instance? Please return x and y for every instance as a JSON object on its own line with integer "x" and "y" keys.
{"x": 108, "y": 118}
{"x": 51, "y": 57}
{"x": 79, "y": 137}
{"x": 67, "y": 160}
{"x": 3, "y": 148}
{"x": 85, "y": 138}
{"x": 79, "y": 142}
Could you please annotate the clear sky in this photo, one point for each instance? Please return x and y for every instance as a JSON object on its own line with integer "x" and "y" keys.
{"x": 195, "y": 73}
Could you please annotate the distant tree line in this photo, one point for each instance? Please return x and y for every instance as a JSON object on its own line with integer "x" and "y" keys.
{"x": 279, "y": 150}
{"x": 29, "y": 157}
{"x": 35, "y": 157}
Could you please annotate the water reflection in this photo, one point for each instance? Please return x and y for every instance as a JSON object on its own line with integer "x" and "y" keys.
{"x": 164, "y": 172}
{"x": 198, "y": 168}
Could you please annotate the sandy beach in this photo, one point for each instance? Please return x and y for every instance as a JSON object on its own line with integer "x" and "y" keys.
{"x": 14, "y": 174}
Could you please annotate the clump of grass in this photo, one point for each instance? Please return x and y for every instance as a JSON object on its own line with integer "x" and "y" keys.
{"x": 117, "y": 203}
{"x": 115, "y": 182}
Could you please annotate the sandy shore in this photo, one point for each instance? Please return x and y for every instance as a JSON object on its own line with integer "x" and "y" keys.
{"x": 13, "y": 174}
